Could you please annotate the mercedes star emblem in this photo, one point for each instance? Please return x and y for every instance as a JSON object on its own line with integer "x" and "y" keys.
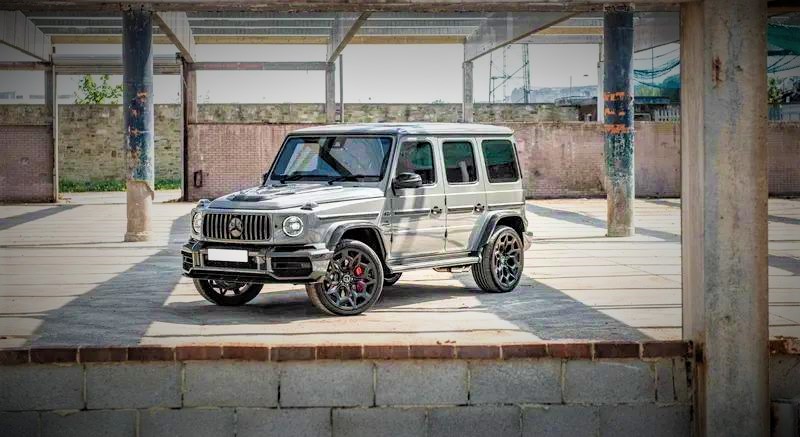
{"x": 235, "y": 227}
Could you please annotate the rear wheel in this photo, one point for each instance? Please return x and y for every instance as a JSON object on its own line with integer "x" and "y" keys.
{"x": 353, "y": 283}
{"x": 227, "y": 293}
{"x": 391, "y": 280}
{"x": 502, "y": 260}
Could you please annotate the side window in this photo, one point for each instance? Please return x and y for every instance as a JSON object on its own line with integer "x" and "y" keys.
{"x": 459, "y": 162}
{"x": 417, "y": 158}
{"x": 501, "y": 161}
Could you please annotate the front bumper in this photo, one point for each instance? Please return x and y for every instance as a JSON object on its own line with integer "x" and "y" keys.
{"x": 527, "y": 238}
{"x": 266, "y": 264}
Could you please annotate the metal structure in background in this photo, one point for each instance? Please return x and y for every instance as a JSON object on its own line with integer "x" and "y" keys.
{"x": 618, "y": 113}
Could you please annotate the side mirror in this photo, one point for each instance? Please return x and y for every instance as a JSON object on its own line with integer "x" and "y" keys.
{"x": 407, "y": 180}
{"x": 264, "y": 179}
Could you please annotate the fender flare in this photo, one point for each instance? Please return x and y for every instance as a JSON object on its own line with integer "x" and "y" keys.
{"x": 335, "y": 235}
{"x": 491, "y": 225}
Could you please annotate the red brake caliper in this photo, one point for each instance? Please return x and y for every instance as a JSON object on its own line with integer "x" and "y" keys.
{"x": 360, "y": 285}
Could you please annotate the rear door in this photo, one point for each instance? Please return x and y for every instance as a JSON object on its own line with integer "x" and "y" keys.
{"x": 465, "y": 191}
{"x": 418, "y": 215}
{"x": 503, "y": 181}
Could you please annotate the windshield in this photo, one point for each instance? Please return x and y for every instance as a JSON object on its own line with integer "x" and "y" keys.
{"x": 335, "y": 158}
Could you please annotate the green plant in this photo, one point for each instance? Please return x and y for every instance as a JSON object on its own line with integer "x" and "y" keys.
{"x": 94, "y": 93}
{"x": 774, "y": 93}
{"x": 68, "y": 186}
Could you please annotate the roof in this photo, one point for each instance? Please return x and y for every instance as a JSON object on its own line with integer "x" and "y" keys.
{"x": 406, "y": 129}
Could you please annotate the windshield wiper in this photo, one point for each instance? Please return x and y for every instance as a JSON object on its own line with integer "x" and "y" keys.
{"x": 349, "y": 177}
{"x": 290, "y": 177}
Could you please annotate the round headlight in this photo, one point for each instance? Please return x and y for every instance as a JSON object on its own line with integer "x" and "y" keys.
{"x": 293, "y": 226}
{"x": 197, "y": 223}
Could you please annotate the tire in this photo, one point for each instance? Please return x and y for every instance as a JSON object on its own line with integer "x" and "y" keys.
{"x": 338, "y": 292}
{"x": 388, "y": 281}
{"x": 216, "y": 292}
{"x": 502, "y": 261}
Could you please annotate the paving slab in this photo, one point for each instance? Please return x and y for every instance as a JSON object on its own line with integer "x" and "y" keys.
{"x": 66, "y": 278}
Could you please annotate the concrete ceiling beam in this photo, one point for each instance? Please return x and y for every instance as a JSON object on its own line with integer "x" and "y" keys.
{"x": 177, "y": 28}
{"x": 20, "y": 33}
{"x": 502, "y": 29}
{"x": 345, "y": 27}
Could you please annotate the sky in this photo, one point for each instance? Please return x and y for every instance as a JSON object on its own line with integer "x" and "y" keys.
{"x": 375, "y": 73}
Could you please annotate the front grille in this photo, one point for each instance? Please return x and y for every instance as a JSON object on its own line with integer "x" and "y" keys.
{"x": 254, "y": 227}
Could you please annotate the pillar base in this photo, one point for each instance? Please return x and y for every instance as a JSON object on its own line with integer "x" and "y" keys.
{"x": 135, "y": 237}
{"x": 140, "y": 202}
{"x": 621, "y": 232}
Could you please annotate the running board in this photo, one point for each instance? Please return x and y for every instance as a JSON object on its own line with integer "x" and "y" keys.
{"x": 447, "y": 262}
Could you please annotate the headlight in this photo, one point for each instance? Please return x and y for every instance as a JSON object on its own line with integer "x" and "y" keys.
{"x": 197, "y": 223}
{"x": 293, "y": 226}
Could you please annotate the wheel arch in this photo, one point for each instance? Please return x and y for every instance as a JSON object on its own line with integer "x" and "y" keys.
{"x": 511, "y": 219}
{"x": 367, "y": 233}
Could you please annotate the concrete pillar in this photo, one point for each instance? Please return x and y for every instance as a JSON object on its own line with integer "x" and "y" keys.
{"x": 189, "y": 106}
{"x": 137, "y": 60}
{"x": 618, "y": 115}
{"x": 341, "y": 89}
{"x": 734, "y": 349}
{"x": 468, "y": 106}
{"x": 51, "y": 111}
{"x": 692, "y": 188}
{"x": 330, "y": 93}
{"x": 600, "y": 69}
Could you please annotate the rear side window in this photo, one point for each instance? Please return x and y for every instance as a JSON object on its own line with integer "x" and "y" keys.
{"x": 417, "y": 158}
{"x": 459, "y": 162}
{"x": 501, "y": 161}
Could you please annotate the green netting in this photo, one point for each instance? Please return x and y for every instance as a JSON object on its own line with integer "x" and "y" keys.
{"x": 456, "y": 152}
{"x": 497, "y": 152}
{"x": 785, "y": 37}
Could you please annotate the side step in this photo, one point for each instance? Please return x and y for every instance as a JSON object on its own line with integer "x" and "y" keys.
{"x": 447, "y": 262}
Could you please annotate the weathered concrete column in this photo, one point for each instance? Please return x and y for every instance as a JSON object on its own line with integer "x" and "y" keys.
{"x": 51, "y": 111}
{"x": 189, "y": 106}
{"x": 600, "y": 101}
{"x": 468, "y": 105}
{"x": 692, "y": 188}
{"x": 735, "y": 356}
{"x": 137, "y": 60}
{"x": 330, "y": 92}
{"x": 618, "y": 115}
{"x": 341, "y": 89}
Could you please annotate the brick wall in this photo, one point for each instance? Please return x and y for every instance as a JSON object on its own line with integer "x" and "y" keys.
{"x": 26, "y": 164}
{"x": 573, "y": 388}
{"x": 231, "y": 156}
{"x": 566, "y": 159}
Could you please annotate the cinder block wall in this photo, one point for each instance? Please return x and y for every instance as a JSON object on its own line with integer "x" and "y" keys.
{"x": 604, "y": 388}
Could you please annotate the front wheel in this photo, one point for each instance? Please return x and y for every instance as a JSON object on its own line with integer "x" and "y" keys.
{"x": 353, "y": 282}
{"x": 226, "y": 293}
{"x": 502, "y": 260}
{"x": 391, "y": 280}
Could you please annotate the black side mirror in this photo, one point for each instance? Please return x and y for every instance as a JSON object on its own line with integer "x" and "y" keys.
{"x": 264, "y": 179}
{"x": 407, "y": 180}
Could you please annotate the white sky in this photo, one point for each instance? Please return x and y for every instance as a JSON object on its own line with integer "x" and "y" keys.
{"x": 372, "y": 73}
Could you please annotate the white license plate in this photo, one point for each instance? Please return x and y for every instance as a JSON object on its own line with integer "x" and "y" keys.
{"x": 237, "y": 256}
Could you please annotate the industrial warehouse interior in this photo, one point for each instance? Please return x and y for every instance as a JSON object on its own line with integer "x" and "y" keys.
{"x": 657, "y": 163}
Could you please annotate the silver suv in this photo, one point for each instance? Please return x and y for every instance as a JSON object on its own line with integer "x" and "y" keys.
{"x": 346, "y": 209}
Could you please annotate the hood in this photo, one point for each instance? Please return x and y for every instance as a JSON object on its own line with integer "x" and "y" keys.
{"x": 292, "y": 196}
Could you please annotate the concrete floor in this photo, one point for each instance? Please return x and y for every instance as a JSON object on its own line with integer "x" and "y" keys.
{"x": 66, "y": 278}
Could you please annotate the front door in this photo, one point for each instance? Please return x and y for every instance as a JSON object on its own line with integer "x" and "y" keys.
{"x": 418, "y": 214}
{"x": 464, "y": 190}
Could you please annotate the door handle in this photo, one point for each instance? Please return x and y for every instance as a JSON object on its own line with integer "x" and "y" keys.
{"x": 436, "y": 210}
{"x": 479, "y": 208}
